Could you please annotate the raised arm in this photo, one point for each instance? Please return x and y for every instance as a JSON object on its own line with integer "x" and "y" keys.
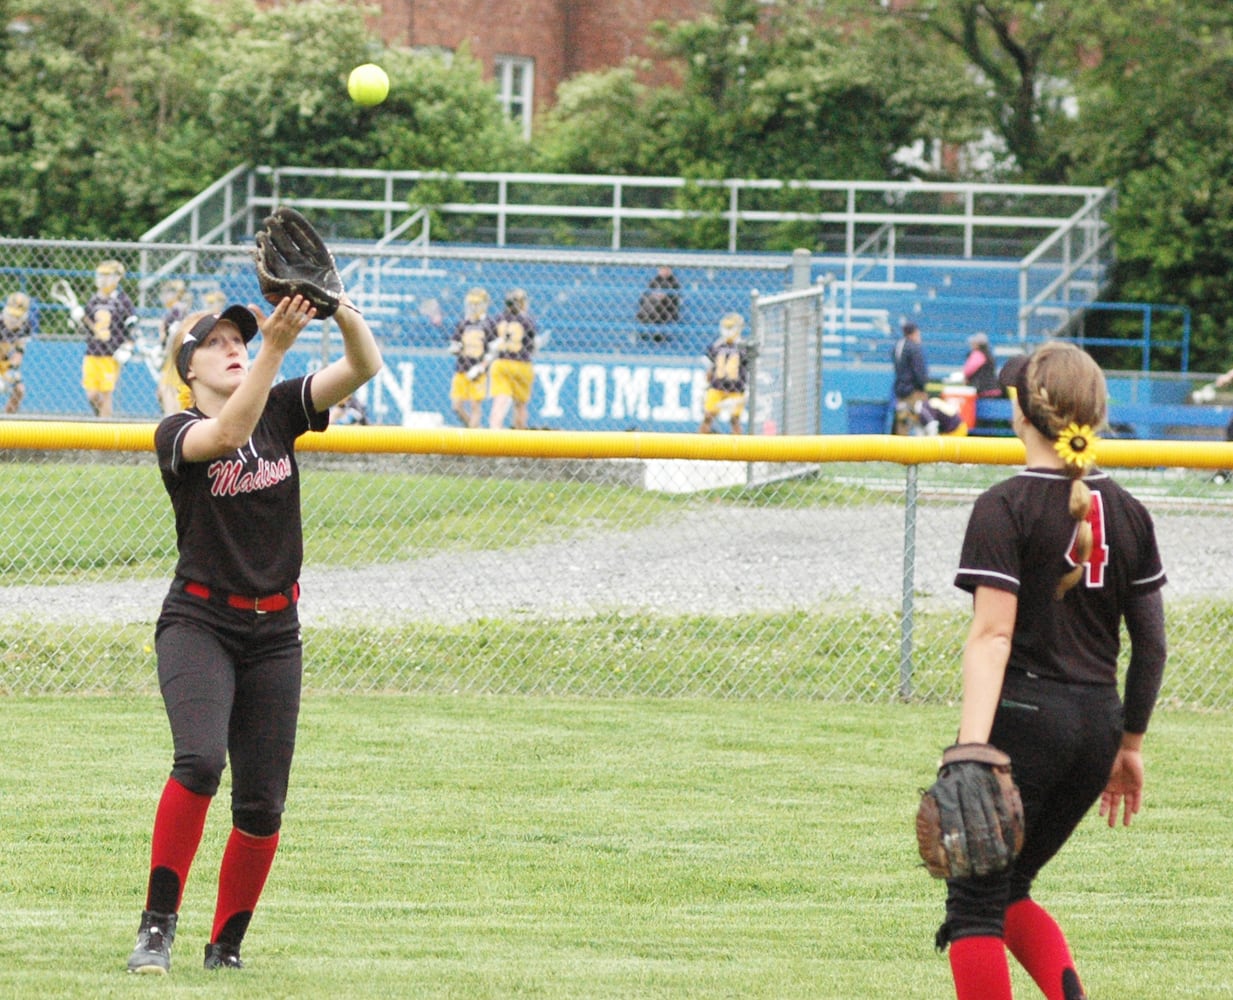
{"x": 361, "y": 359}
{"x": 233, "y": 423}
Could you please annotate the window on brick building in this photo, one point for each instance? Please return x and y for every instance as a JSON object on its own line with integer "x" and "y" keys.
{"x": 515, "y": 79}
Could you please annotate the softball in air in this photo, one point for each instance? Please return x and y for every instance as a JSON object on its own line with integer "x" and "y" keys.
{"x": 368, "y": 85}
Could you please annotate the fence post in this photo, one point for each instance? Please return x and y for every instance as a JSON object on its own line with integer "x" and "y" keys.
{"x": 909, "y": 583}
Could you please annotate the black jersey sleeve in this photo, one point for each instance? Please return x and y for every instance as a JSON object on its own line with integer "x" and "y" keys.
{"x": 990, "y": 556}
{"x": 1145, "y": 624}
{"x": 169, "y": 440}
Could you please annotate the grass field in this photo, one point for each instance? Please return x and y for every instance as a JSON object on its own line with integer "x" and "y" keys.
{"x": 562, "y": 849}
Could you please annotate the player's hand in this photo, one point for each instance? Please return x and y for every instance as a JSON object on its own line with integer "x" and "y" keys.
{"x": 1124, "y": 788}
{"x": 281, "y": 328}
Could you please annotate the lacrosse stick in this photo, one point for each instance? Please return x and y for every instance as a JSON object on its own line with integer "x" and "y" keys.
{"x": 63, "y": 293}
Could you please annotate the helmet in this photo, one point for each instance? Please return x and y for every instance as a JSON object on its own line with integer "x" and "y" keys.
{"x": 516, "y": 299}
{"x": 172, "y": 290}
{"x": 17, "y": 305}
{"x": 107, "y": 275}
{"x": 731, "y": 325}
{"x": 477, "y": 303}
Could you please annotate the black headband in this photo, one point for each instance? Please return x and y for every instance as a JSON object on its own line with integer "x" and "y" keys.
{"x": 241, "y": 316}
{"x": 1014, "y": 376}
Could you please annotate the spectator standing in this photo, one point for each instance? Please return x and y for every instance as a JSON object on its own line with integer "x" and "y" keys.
{"x": 470, "y": 343}
{"x": 108, "y": 320}
{"x": 14, "y": 335}
{"x": 727, "y": 375}
{"x": 513, "y": 376}
{"x": 911, "y": 377}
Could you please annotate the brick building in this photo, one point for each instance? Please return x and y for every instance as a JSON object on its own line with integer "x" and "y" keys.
{"x": 527, "y": 47}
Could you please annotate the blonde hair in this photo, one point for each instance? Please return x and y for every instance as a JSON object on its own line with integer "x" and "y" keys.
{"x": 17, "y": 304}
{"x": 170, "y": 375}
{"x": 1066, "y": 387}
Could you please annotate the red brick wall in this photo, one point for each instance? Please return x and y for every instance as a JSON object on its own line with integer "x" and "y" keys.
{"x": 607, "y": 33}
{"x": 562, "y": 36}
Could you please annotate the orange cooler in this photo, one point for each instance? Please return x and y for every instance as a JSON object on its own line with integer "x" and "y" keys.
{"x": 963, "y": 396}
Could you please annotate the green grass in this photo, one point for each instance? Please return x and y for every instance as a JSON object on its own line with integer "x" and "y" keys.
{"x": 842, "y": 653}
{"x": 560, "y": 849}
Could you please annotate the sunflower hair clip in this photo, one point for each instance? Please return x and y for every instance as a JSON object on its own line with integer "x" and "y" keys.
{"x": 1077, "y": 446}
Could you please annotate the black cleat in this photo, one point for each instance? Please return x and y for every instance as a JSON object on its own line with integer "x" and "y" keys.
{"x": 222, "y": 956}
{"x": 1071, "y": 989}
{"x": 153, "y": 952}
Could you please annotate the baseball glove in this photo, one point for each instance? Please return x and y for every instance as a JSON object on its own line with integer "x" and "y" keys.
{"x": 293, "y": 260}
{"x": 970, "y": 822}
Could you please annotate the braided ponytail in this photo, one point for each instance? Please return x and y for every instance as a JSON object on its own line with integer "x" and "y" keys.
{"x": 1067, "y": 396}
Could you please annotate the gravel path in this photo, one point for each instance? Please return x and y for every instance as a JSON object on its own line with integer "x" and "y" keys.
{"x": 709, "y": 561}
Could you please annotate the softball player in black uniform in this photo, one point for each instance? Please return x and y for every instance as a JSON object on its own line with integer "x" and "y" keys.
{"x": 1055, "y": 557}
{"x": 228, "y": 636}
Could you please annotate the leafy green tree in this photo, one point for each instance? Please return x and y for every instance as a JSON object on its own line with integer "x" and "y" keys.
{"x": 1017, "y": 57}
{"x": 114, "y": 113}
{"x": 92, "y": 95}
{"x": 1154, "y": 122}
{"x": 775, "y": 92}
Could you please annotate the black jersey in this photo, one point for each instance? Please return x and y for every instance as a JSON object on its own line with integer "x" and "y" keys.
{"x": 238, "y": 517}
{"x": 107, "y": 320}
{"x": 517, "y": 333}
{"x": 729, "y": 365}
{"x": 472, "y": 337}
{"x": 1020, "y": 538}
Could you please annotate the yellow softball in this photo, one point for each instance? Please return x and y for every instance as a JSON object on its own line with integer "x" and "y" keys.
{"x": 368, "y": 85}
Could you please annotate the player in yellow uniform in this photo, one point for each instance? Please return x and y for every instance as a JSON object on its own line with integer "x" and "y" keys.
{"x": 470, "y": 344}
{"x": 727, "y": 375}
{"x": 14, "y": 335}
{"x": 512, "y": 374}
{"x": 108, "y": 319}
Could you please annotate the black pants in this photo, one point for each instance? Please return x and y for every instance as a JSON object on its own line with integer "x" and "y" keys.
{"x": 231, "y": 686}
{"x": 1062, "y": 740}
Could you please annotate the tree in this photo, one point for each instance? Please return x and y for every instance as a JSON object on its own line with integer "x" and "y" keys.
{"x": 1154, "y": 121}
{"x": 1018, "y": 56}
{"x": 778, "y": 92}
{"x": 114, "y": 112}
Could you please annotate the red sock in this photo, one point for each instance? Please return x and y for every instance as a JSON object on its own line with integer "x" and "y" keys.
{"x": 178, "y": 824}
{"x": 246, "y": 863}
{"x": 1039, "y": 945}
{"x": 980, "y": 969}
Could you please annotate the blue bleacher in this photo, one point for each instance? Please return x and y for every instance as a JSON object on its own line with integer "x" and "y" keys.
{"x": 583, "y": 308}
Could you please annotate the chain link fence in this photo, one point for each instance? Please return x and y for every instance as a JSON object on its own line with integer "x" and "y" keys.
{"x": 605, "y": 361}
{"x": 502, "y": 562}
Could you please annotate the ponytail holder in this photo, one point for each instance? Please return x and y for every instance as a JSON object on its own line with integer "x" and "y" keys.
{"x": 1077, "y": 446}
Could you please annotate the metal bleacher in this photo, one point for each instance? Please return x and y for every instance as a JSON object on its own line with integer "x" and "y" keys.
{"x": 1016, "y": 262}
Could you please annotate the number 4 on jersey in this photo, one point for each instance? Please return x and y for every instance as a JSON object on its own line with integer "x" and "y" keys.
{"x": 1094, "y": 572}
